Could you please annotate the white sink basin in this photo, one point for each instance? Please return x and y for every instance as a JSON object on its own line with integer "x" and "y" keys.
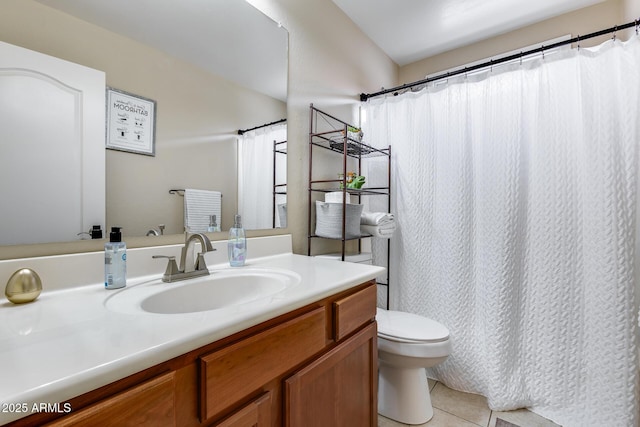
{"x": 221, "y": 289}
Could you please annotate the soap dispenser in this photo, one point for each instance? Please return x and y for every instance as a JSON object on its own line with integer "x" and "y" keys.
{"x": 237, "y": 246}
{"x": 213, "y": 226}
{"x": 115, "y": 261}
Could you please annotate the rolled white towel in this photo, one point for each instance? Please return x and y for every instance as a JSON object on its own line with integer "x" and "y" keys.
{"x": 336, "y": 197}
{"x": 376, "y": 218}
{"x": 384, "y": 232}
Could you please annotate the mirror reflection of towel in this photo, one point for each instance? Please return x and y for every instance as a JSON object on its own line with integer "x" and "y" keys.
{"x": 198, "y": 206}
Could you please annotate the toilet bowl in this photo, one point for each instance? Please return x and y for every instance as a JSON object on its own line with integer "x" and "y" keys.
{"x": 407, "y": 344}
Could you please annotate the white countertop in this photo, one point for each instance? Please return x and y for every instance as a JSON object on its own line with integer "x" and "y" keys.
{"x": 67, "y": 342}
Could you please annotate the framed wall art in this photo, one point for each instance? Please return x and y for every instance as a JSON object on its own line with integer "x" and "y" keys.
{"x": 131, "y": 122}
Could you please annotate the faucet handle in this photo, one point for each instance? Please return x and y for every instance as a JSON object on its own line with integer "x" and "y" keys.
{"x": 172, "y": 267}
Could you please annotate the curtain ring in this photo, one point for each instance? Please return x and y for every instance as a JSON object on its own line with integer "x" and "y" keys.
{"x": 614, "y": 33}
{"x": 637, "y": 25}
{"x": 578, "y": 42}
{"x": 521, "y": 55}
{"x": 542, "y": 51}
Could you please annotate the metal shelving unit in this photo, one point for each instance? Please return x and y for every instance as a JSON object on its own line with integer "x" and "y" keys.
{"x": 279, "y": 149}
{"x": 327, "y": 132}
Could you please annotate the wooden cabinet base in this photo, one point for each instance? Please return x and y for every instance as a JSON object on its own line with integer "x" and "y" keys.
{"x": 314, "y": 366}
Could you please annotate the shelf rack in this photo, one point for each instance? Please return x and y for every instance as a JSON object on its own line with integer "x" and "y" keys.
{"x": 327, "y": 132}
{"x": 279, "y": 149}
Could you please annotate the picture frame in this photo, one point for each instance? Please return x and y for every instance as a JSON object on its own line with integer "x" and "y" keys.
{"x": 131, "y": 122}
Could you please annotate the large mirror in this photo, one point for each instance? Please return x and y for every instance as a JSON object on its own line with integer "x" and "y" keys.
{"x": 213, "y": 68}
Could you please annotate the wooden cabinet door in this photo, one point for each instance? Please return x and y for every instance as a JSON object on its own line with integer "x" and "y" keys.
{"x": 151, "y": 403}
{"x": 339, "y": 389}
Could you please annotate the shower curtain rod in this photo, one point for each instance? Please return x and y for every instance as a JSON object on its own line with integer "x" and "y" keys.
{"x": 396, "y": 90}
{"x": 242, "y": 131}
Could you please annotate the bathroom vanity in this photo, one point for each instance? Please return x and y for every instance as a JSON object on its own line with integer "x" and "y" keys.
{"x": 303, "y": 357}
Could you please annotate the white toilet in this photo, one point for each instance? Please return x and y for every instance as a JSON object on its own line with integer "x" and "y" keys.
{"x": 407, "y": 344}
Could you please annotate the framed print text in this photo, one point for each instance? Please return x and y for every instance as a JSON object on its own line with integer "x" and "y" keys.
{"x": 131, "y": 123}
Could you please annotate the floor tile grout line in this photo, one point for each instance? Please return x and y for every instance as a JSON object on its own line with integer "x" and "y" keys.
{"x": 459, "y": 417}
{"x": 436, "y": 382}
{"x": 491, "y": 412}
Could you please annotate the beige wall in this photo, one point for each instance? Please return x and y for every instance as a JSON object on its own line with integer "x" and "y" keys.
{"x": 330, "y": 62}
{"x": 584, "y": 21}
{"x": 198, "y": 115}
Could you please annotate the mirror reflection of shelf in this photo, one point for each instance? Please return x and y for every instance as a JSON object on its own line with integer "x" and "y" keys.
{"x": 279, "y": 210}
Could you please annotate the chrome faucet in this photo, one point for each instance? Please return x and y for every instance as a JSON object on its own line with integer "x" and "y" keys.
{"x": 156, "y": 232}
{"x": 188, "y": 268}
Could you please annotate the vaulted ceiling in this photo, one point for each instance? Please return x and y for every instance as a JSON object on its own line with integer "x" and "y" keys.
{"x": 213, "y": 34}
{"x": 410, "y": 30}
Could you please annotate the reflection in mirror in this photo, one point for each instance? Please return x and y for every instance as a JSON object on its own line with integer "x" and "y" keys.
{"x": 207, "y": 77}
{"x": 49, "y": 109}
{"x": 262, "y": 191}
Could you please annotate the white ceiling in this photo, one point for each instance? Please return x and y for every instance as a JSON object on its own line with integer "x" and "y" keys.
{"x": 232, "y": 39}
{"x": 410, "y": 30}
{"x": 229, "y": 38}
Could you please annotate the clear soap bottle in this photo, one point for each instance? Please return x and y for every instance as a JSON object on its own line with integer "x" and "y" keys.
{"x": 213, "y": 225}
{"x": 115, "y": 261}
{"x": 237, "y": 246}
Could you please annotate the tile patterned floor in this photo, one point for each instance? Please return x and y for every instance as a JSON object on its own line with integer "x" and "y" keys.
{"x": 453, "y": 408}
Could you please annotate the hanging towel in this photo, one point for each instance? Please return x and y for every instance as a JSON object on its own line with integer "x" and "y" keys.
{"x": 198, "y": 206}
{"x": 376, "y": 218}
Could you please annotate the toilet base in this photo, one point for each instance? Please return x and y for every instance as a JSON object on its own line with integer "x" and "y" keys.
{"x": 403, "y": 394}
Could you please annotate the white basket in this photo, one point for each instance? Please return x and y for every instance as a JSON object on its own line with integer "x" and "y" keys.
{"x": 329, "y": 220}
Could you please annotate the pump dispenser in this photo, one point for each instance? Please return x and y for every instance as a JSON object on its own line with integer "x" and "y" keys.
{"x": 213, "y": 226}
{"x": 115, "y": 261}
{"x": 237, "y": 246}
{"x": 96, "y": 232}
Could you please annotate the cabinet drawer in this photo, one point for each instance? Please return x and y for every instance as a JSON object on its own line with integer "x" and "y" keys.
{"x": 231, "y": 374}
{"x": 256, "y": 413}
{"x": 353, "y": 311}
{"x": 150, "y": 403}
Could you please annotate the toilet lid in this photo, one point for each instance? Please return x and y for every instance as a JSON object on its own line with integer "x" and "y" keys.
{"x": 400, "y": 326}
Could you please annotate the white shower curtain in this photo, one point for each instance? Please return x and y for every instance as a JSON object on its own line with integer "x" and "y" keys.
{"x": 255, "y": 175}
{"x": 516, "y": 198}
